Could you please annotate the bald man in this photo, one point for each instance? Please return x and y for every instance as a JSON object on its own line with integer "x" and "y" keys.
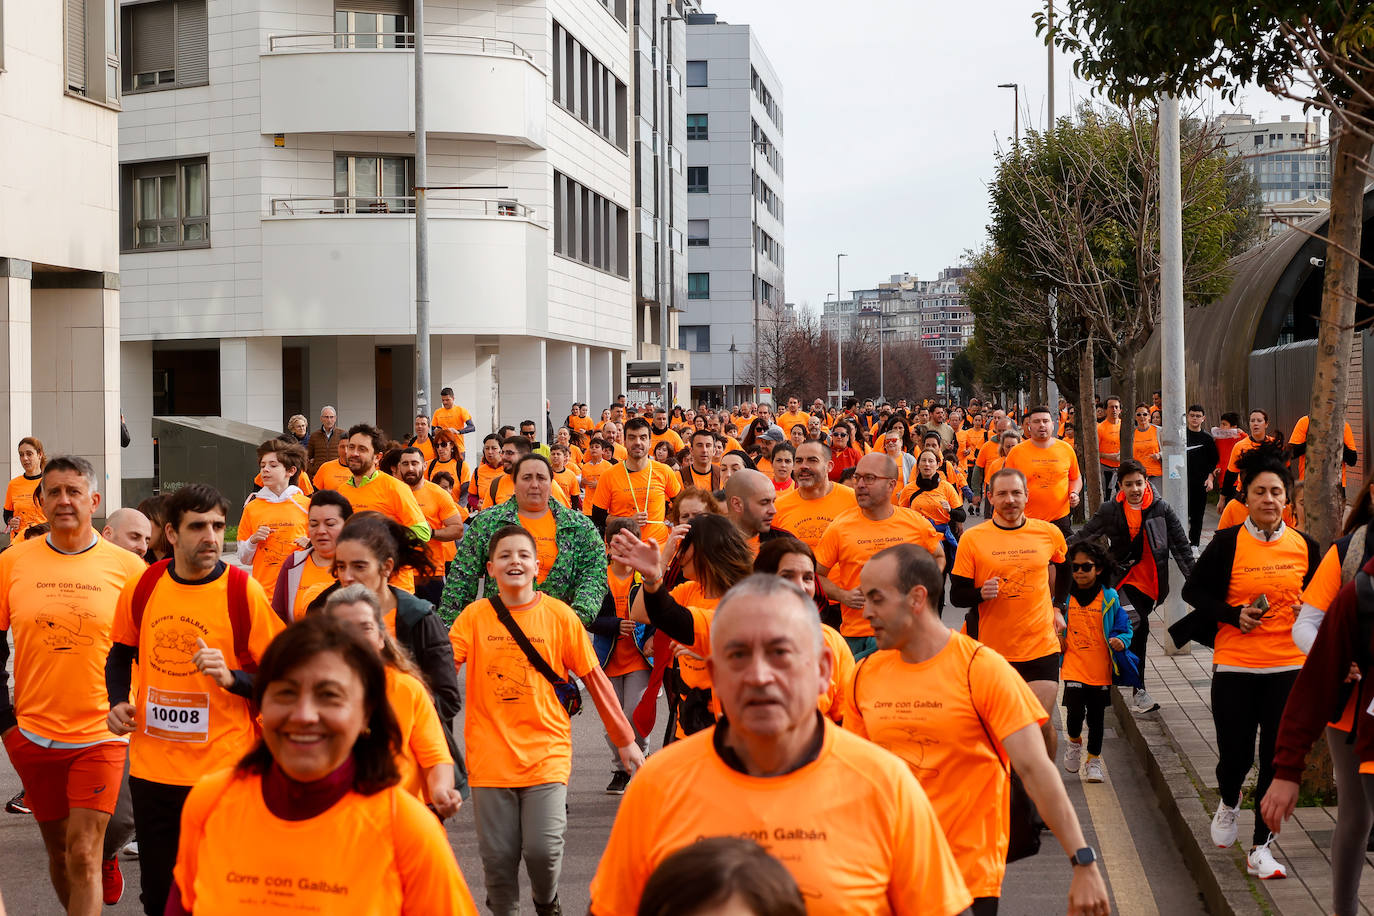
{"x": 130, "y": 529}
{"x": 750, "y": 503}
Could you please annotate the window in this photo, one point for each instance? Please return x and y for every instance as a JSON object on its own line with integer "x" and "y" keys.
{"x": 373, "y": 184}
{"x": 697, "y": 127}
{"x": 372, "y": 24}
{"x": 699, "y": 286}
{"x": 695, "y": 338}
{"x": 698, "y": 179}
{"x": 696, "y": 73}
{"x": 165, "y": 205}
{"x": 616, "y": 8}
{"x": 91, "y": 46}
{"x": 698, "y": 233}
{"x": 166, "y": 45}
{"x": 588, "y": 90}
{"x": 590, "y": 228}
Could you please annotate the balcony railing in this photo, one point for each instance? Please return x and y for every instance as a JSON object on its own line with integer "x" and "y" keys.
{"x": 372, "y": 41}
{"x": 372, "y": 206}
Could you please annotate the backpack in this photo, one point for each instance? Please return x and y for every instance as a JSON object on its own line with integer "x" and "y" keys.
{"x": 239, "y": 621}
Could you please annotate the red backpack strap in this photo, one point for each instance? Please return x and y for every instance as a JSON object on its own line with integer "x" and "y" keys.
{"x": 144, "y": 590}
{"x": 239, "y": 621}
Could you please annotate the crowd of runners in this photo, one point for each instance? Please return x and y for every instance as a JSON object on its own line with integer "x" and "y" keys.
{"x": 757, "y": 593}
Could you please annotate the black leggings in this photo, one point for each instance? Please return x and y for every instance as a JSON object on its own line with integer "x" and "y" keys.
{"x": 1242, "y": 705}
{"x": 1140, "y": 635}
{"x": 157, "y": 817}
{"x": 1086, "y": 702}
{"x": 984, "y": 906}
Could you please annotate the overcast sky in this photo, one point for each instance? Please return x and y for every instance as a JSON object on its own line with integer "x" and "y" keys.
{"x": 893, "y": 116}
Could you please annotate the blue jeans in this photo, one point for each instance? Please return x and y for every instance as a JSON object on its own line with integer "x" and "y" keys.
{"x": 861, "y": 645}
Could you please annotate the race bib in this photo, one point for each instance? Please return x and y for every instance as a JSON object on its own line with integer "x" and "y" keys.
{"x": 177, "y": 716}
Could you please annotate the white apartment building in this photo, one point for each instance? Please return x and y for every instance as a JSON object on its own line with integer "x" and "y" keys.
{"x": 59, "y": 251}
{"x": 934, "y": 312}
{"x": 735, "y": 203}
{"x": 267, "y": 231}
{"x": 1288, "y": 158}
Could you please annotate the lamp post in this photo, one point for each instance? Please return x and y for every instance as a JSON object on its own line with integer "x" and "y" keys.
{"x": 839, "y": 339}
{"x": 756, "y": 146}
{"x": 665, "y": 170}
{"x": 733, "y": 350}
{"x": 1015, "y": 108}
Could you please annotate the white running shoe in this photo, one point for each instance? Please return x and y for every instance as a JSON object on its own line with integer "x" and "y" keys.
{"x": 1144, "y": 702}
{"x": 131, "y": 849}
{"x": 1094, "y": 771}
{"x": 1073, "y": 755}
{"x": 1261, "y": 863}
{"x": 1224, "y": 828}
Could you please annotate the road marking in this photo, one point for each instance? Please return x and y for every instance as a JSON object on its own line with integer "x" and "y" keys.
{"x": 1130, "y": 887}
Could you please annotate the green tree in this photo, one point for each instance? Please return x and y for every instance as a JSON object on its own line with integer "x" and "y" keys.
{"x": 1319, "y": 52}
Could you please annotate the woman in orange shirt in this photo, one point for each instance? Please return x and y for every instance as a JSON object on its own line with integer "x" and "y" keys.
{"x": 423, "y": 757}
{"x": 314, "y": 815}
{"x": 21, "y": 502}
{"x": 783, "y": 458}
{"x": 1259, "y": 434}
{"x": 310, "y": 570}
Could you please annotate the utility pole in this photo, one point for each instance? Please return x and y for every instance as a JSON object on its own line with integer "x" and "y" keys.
{"x": 1051, "y": 388}
{"x": 839, "y": 338}
{"x": 1015, "y": 110}
{"x": 665, "y": 236}
{"x": 422, "y": 376}
{"x": 1173, "y": 387}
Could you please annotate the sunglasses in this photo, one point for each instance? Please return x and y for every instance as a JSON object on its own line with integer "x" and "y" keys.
{"x": 1084, "y": 567}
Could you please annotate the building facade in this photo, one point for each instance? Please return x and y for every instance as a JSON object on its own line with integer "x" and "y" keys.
{"x": 1290, "y": 159}
{"x": 59, "y": 238}
{"x": 267, "y": 218}
{"x": 735, "y": 168}
{"x": 905, "y": 308}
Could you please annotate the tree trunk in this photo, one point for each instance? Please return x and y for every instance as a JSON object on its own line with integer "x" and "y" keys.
{"x": 1086, "y": 433}
{"x": 1125, "y": 384}
{"x": 1335, "y": 339}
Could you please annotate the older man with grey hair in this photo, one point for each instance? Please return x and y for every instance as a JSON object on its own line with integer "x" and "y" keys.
{"x": 323, "y": 444}
{"x": 774, "y": 768}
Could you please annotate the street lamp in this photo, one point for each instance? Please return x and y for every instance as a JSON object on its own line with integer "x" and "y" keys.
{"x": 1015, "y": 108}
{"x": 733, "y": 350}
{"x": 665, "y": 169}
{"x": 839, "y": 339}
{"x": 760, "y": 145}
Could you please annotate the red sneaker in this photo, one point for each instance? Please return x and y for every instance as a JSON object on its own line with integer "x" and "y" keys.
{"x": 111, "y": 881}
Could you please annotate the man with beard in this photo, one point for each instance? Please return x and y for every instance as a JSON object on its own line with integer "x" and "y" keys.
{"x": 368, "y": 488}
{"x": 442, "y": 516}
{"x": 638, "y": 487}
{"x": 662, "y": 432}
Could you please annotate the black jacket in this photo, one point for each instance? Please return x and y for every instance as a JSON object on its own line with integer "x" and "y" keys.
{"x": 1209, "y": 582}
{"x": 1202, "y": 457}
{"x": 1159, "y": 526}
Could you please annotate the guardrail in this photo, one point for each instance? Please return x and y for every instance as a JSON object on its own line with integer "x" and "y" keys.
{"x": 372, "y": 41}
{"x": 338, "y": 205}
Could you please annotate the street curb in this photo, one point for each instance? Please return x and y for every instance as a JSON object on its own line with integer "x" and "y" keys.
{"x": 1218, "y": 872}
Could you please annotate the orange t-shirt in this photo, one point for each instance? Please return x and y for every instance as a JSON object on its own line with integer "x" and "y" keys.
{"x": 387, "y": 495}
{"x": 580, "y": 424}
{"x": 987, "y": 452}
{"x": 622, "y": 494}
{"x": 437, "y": 505}
{"x": 288, "y": 520}
{"x": 1144, "y": 446}
{"x": 700, "y": 481}
{"x": 1087, "y": 657}
{"x": 332, "y": 475}
{"x": 591, "y": 476}
{"x": 1321, "y": 591}
{"x": 692, "y": 667}
{"x": 517, "y": 733}
{"x": 626, "y": 656}
{"x": 673, "y": 439}
{"x": 382, "y": 854}
{"x": 1019, "y": 622}
{"x": 852, "y": 539}
{"x": 1241, "y": 447}
{"x": 60, "y": 608}
{"x": 434, "y": 467}
{"x": 933, "y": 504}
{"x": 455, "y": 418}
{"x": 790, "y": 419}
{"x": 188, "y": 725}
{"x": 1299, "y": 437}
{"x": 423, "y": 744}
{"x": 1050, "y": 472}
{"x": 994, "y": 466}
{"x": 1109, "y": 442}
{"x": 853, "y": 827}
{"x": 545, "y": 532}
{"x": 928, "y": 714}
{"x": 971, "y": 442}
{"x": 485, "y": 475}
{"x": 1274, "y": 569}
{"x": 808, "y": 518}
{"x": 567, "y": 479}
{"x": 1236, "y": 513}
{"x": 314, "y": 579}
{"x": 19, "y": 499}
{"x": 832, "y": 702}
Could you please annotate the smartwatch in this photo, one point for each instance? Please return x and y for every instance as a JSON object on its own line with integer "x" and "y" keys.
{"x": 1085, "y": 856}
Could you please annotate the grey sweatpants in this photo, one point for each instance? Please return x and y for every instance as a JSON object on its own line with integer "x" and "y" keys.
{"x": 512, "y": 823}
{"x": 629, "y": 689}
{"x": 1353, "y": 821}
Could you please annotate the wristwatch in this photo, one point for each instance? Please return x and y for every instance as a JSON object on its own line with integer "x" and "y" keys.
{"x": 1085, "y": 856}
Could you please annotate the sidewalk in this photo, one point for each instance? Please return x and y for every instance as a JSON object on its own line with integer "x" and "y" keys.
{"x": 1182, "y": 685}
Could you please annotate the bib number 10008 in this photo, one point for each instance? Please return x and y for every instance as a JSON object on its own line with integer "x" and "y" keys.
{"x": 177, "y": 715}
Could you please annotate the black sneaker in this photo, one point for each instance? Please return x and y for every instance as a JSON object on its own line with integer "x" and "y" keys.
{"x": 553, "y": 908}
{"x": 16, "y": 805}
{"x": 619, "y": 780}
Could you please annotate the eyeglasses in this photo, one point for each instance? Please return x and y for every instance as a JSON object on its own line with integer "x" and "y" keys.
{"x": 1084, "y": 567}
{"x": 869, "y": 480}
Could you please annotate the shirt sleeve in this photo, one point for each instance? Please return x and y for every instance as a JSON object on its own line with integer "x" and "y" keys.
{"x": 1074, "y": 473}
{"x": 460, "y": 637}
{"x": 1003, "y": 699}
{"x": 672, "y": 486}
{"x": 430, "y": 879}
{"x": 601, "y": 499}
{"x": 578, "y": 655}
{"x": 1060, "y": 546}
{"x": 123, "y": 629}
{"x": 828, "y": 549}
{"x": 1326, "y": 582}
{"x": 447, "y": 507}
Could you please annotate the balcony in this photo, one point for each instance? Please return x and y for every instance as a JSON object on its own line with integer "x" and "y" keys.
{"x": 352, "y": 83}
{"x": 343, "y": 265}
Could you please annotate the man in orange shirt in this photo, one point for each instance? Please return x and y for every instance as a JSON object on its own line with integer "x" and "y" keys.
{"x": 700, "y": 471}
{"x": 1005, "y": 573}
{"x": 662, "y": 432}
{"x": 369, "y": 489}
{"x": 773, "y": 767}
{"x": 452, "y": 418}
{"x": 1297, "y": 447}
{"x": 962, "y": 719}
{"x": 201, "y": 625}
{"x": 57, "y": 596}
{"x": 988, "y": 451}
{"x": 793, "y": 416}
{"x": 857, "y": 534}
{"x": 1109, "y": 445}
{"x": 638, "y": 487}
{"x": 809, "y": 509}
{"x": 441, "y": 514}
{"x": 334, "y": 473}
{"x": 1051, "y": 470}
{"x": 750, "y": 502}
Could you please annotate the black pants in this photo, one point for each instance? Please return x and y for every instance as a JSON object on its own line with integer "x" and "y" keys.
{"x": 1197, "y": 508}
{"x": 1108, "y": 479}
{"x": 1243, "y": 704}
{"x": 1140, "y": 632}
{"x": 985, "y": 906}
{"x": 157, "y": 819}
{"x": 1086, "y": 702}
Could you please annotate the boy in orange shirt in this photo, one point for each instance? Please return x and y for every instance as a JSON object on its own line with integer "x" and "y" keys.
{"x": 274, "y": 517}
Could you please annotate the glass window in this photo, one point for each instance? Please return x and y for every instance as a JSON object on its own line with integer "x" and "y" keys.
{"x": 167, "y": 204}
{"x": 696, "y": 73}
{"x": 698, "y": 179}
{"x": 695, "y": 338}
{"x": 698, "y": 127}
{"x": 699, "y": 286}
{"x": 373, "y": 184}
{"x": 698, "y": 232}
{"x": 367, "y": 29}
